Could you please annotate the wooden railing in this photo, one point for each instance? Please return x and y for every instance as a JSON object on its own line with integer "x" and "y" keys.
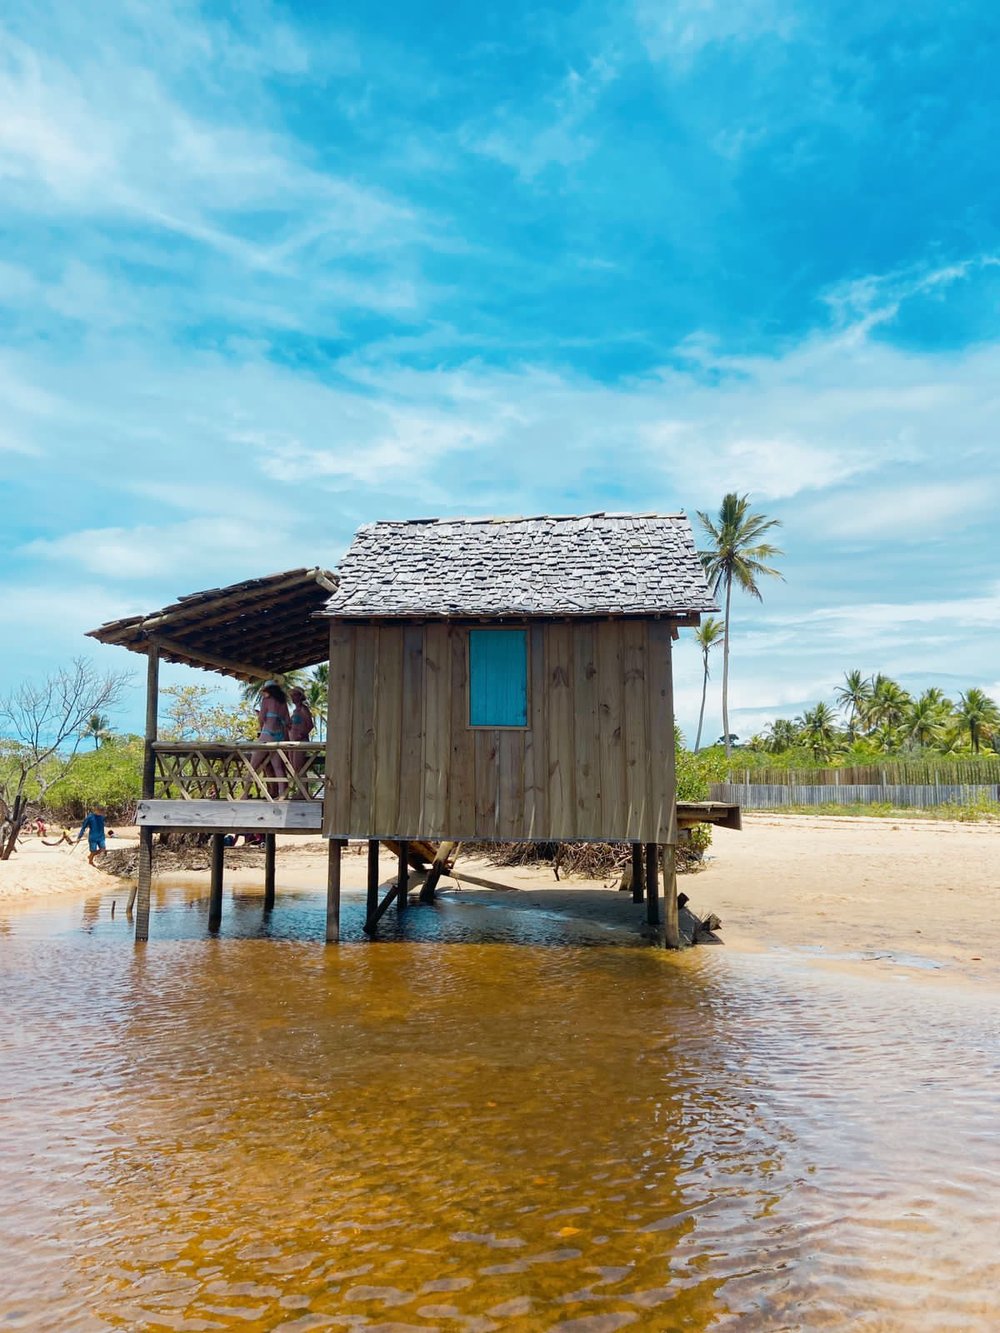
{"x": 238, "y": 771}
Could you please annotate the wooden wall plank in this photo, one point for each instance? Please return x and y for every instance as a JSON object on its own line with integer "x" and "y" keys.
{"x": 510, "y": 802}
{"x": 388, "y": 729}
{"x": 462, "y": 759}
{"x": 487, "y": 781}
{"x": 662, "y": 813}
{"x": 340, "y": 711}
{"x": 411, "y": 750}
{"x": 536, "y": 750}
{"x": 559, "y": 709}
{"x": 635, "y": 726}
{"x": 363, "y": 729}
{"x": 586, "y": 731}
{"x": 437, "y": 731}
{"x": 614, "y": 817}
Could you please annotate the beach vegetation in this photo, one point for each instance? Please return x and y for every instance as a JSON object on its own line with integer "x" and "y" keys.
{"x": 42, "y": 725}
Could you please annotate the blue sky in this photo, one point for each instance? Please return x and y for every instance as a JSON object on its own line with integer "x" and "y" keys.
{"x": 269, "y": 271}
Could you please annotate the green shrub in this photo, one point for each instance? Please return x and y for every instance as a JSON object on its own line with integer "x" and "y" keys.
{"x": 110, "y": 776}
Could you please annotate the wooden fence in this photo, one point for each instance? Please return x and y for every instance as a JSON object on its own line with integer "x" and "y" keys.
{"x": 920, "y": 796}
{"x": 931, "y": 772}
{"x": 238, "y": 771}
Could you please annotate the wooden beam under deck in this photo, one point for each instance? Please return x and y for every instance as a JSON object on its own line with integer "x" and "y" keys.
{"x": 232, "y": 816}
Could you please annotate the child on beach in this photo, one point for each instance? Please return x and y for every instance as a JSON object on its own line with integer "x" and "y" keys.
{"x": 93, "y": 826}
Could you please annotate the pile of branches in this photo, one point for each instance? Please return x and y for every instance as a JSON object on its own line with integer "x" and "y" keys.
{"x": 124, "y": 861}
{"x": 590, "y": 860}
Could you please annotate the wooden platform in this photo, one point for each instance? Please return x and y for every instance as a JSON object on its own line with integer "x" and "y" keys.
{"x": 232, "y": 816}
{"x": 690, "y": 813}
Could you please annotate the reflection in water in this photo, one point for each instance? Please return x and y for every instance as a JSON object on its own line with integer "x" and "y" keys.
{"x": 271, "y": 1134}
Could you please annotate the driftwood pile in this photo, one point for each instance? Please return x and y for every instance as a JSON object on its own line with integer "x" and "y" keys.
{"x": 608, "y": 861}
{"x": 124, "y": 861}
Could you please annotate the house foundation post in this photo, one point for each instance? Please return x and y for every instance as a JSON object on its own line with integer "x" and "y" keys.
{"x": 403, "y": 880}
{"x": 671, "y": 926}
{"x": 333, "y": 870}
{"x": 269, "y": 850}
{"x": 637, "y": 872}
{"x": 652, "y": 885}
{"x": 372, "y": 902}
{"x": 215, "y": 885}
{"x": 141, "y": 892}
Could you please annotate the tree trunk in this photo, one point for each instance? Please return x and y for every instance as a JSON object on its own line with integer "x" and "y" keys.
{"x": 14, "y": 821}
{"x": 701, "y": 715}
{"x": 725, "y": 672}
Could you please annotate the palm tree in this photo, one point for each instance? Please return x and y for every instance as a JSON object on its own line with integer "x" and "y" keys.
{"x": 926, "y": 718}
{"x": 854, "y": 696}
{"x": 782, "y": 735}
{"x": 707, "y": 635}
{"x": 979, "y": 714}
{"x": 819, "y": 730}
{"x": 737, "y": 554}
{"x": 97, "y": 727}
{"x": 887, "y": 706}
{"x": 317, "y": 690}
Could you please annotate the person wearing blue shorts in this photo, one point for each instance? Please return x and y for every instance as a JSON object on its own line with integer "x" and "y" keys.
{"x": 93, "y": 826}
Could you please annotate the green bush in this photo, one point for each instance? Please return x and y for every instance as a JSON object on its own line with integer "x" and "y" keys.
{"x": 110, "y": 776}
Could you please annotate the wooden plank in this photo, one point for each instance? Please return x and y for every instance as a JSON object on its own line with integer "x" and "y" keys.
{"x": 152, "y": 704}
{"x": 461, "y": 819}
{"x": 437, "y": 727}
{"x": 372, "y": 905}
{"x": 215, "y": 883}
{"x": 586, "y": 731}
{"x": 536, "y": 753}
{"x": 661, "y": 813}
{"x": 638, "y": 876}
{"x": 446, "y": 853}
{"x": 671, "y": 925}
{"x": 144, "y": 886}
{"x": 614, "y": 816}
{"x": 411, "y": 752}
{"x": 510, "y": 785}
{"x": 363, "y": 731}
{"x": 402, "y": 878}
{"x": 652, "y": 885}
{"x": 269, "y": 877}
{"x": 388, "y": 729}
{"x": 293, "y": 816}
{"x": 339, "y": 727}
{"x": 487, "y": 782}
{"x": 635, "y": 726}
{"x": 333, "y": 876}
{"x": 559, "y": 741}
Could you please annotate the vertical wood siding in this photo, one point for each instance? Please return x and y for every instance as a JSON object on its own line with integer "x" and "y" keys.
{"x": 595, "y": 762}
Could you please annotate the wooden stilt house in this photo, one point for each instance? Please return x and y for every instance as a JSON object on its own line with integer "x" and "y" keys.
{"x": 489, "y": 680}
{"x": 505, "y": 679}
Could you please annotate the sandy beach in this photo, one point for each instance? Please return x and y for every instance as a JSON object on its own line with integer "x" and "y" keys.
{"x": 919, "y": 895}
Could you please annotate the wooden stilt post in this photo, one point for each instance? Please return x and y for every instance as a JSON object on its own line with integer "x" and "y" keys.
{"x": 652, "y": 885}
{"x": 671, "y": 928}
{"x": 269, "y": 849}
{"x": 142, "y": 888}
{"x": 215, "y": 890}
{"x": 637, "y": 873}
{"x": 333, "y": 869}
{"x": 404, "y": 877}
{"x": 372, "y": 904}
{"x": 428, "y": 889}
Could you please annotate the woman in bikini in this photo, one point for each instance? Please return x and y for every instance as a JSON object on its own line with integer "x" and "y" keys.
{"x": 300, "y": 728}
{"x": 273, "y": 720}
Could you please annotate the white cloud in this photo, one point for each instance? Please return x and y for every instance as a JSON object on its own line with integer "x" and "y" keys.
{"x": 679, "y": 31}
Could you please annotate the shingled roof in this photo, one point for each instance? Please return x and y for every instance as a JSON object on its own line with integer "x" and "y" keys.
{"x": 594, "y": 565}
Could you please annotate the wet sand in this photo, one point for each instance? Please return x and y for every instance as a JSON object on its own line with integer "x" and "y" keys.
{"x": 912, "y": 895}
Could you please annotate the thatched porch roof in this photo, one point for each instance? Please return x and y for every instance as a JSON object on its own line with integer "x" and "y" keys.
{"x": 250, "y": 630}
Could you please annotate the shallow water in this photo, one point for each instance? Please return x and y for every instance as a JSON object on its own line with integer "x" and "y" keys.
{"x": 485, "y": 1126}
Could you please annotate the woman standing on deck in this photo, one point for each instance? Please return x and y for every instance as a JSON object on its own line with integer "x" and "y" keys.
{"x": 274, "y": 723}
{"x": 300, "y": 728}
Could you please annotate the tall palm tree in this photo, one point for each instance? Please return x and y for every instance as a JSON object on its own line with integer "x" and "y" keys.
{"x": 853, "y": 696}
{"x": 979, "y": 714}
{"x": 97, "y": 728}
{"x": 707, "y": 635}
{"x": 782, "y": 735}
{"x": 736, "y": 555}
